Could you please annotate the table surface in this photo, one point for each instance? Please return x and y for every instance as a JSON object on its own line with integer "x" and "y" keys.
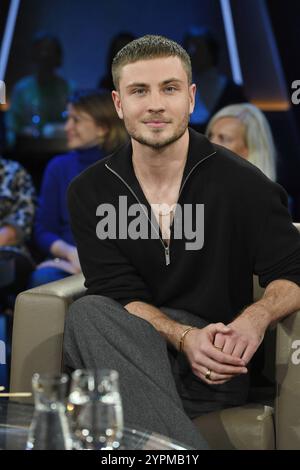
{"x": 15, "y": 419}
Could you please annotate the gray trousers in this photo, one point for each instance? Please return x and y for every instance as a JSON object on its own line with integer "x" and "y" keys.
{"x": 159, "y": 391}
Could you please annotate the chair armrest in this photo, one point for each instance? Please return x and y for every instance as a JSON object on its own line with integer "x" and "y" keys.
{"x": 248, "y": 427}
{"x": 287, "y": 408}
{"x": 38, "y": 328}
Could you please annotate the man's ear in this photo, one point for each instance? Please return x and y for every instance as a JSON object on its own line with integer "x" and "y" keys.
{"x": 192, "y": 93}
{"x": 117, "y": 102}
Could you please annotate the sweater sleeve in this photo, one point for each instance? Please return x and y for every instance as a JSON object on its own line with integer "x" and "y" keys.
{"x": 106, "y": 269}
{"x": 47, "y": 223}
{"x": 278, "y": 243}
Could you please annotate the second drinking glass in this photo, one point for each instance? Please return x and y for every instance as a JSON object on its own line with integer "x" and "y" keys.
{"x": 95, "y": 409}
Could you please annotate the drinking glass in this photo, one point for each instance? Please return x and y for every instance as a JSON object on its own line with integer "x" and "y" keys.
{"x": 49, "y": 428}
{"x": 95, "y": 409}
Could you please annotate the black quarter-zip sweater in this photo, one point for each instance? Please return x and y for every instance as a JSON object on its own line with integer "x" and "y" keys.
{"x": 247, "y": 230}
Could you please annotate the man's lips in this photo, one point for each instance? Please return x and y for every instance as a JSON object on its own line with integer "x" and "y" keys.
{"x": 156, "y": 123}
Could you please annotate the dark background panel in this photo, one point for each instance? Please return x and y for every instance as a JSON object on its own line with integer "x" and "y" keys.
{"x": 85, "y": 28}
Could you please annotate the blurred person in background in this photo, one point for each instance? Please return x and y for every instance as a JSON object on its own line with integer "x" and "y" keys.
{"x": 38, "y": 101}
{"x": 2, "y": 132}
{"x": 17, "y": 207}
{"x": 243, "y": 129}
{"x": 93, "y": 131}
{"x": 214, "y": 89}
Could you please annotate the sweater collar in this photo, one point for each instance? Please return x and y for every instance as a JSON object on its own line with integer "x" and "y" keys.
{"x": 121, "y": 162}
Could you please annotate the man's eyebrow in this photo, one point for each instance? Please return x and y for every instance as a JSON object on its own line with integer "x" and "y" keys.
{"x": 171, "y": 80}
{"x": 165, "y": 82}
{"x": 137, "y": 84}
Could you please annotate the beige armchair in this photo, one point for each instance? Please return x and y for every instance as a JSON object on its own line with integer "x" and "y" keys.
{"x": 37, "y": 347}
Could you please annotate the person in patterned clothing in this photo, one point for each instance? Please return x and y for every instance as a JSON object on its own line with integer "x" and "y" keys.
{"x": 17, "y": 208}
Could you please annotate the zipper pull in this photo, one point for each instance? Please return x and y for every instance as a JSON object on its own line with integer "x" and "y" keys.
{"x": 167, "y": 254}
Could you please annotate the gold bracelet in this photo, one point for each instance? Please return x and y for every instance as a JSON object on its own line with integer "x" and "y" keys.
{"x": 181, "y": 343}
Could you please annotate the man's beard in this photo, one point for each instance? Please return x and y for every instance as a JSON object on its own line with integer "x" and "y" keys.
{"x": 159, "y": 144}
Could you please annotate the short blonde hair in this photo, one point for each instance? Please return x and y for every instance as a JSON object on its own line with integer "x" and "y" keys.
{"x": 258, "y": 135}
{"x": 146, "y": 48}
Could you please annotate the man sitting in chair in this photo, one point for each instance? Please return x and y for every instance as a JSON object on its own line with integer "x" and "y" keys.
{"x": 170, "y": 230}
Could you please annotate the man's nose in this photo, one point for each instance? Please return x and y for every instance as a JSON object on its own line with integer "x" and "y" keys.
{"x": 156, "y": 103}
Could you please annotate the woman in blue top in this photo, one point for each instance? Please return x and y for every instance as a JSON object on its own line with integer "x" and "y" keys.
{"x": 93, "y": 131}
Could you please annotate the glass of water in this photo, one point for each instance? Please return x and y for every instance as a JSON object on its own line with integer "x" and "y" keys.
{"x": 95, "y": 409}
{"x": 49, "y": 429}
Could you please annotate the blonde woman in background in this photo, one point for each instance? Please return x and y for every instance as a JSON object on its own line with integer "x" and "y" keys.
{"x": 243, "y": 129}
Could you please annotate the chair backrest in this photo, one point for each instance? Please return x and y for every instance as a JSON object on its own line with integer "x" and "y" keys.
{"x": 39, "y": 319}
{"x": 287, "y": 403}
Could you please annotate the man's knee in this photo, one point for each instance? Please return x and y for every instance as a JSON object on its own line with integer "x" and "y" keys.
{"x": 105, "y": 314}
{"x": 90, "y": 308}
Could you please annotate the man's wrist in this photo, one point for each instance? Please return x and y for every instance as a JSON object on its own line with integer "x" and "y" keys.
{"x": 183, "y": 336}
{"x": 258, "y": 315}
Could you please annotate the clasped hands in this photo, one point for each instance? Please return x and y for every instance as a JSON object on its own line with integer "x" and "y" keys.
{"x": 218, "y": 352}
